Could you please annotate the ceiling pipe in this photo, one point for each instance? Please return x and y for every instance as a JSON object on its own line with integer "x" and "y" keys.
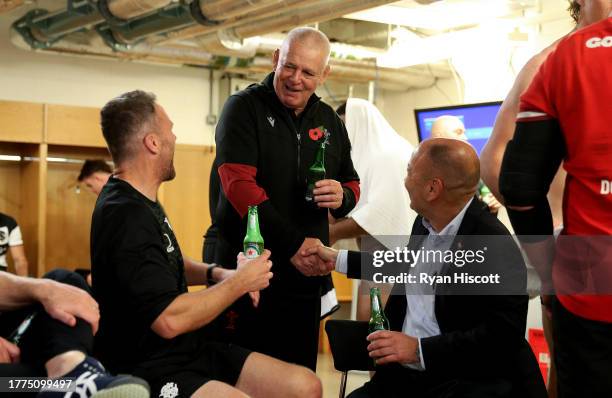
{"x": 224, "y": 9}
{"x": 342, "y": 70}
{"x": 41, "y": 29}
{"x": 285, "y": 6}
{"x": 121, "y": 36}
{"x": 317, "y": 11}
{"x": 129, "y": 21}
{"x": 208, "y": 13}
{"x": 129, "y": 9}
{"x": 323, "y": 11}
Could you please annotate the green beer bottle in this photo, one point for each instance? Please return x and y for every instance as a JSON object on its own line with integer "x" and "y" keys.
{"x": 378, "y": 320}
{"x": 253, "y": 241}
{"x": 316, "y": 172}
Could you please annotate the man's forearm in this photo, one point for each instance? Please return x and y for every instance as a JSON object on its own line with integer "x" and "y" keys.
{"x": 16, "y": 291}
{"x": 19, "y": 259}
{"x": 344, "y": 229}
{"x": 21, "y": 267}
{"x": 196, "y": 273}
{"x": 191, "y": 311}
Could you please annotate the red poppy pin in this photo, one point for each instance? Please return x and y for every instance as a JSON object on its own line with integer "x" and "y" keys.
{"x": 316, "y": 133}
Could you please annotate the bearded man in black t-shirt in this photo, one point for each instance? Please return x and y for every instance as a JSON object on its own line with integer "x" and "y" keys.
{"x": 150, "y": 324}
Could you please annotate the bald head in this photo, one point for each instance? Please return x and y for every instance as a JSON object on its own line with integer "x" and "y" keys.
{"x": 308, "y": 37}
{"x": 448, "y": 127}
{"x": 454, "y": 162}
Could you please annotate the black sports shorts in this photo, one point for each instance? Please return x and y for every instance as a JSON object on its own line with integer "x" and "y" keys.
{"x": 214, "y": 361}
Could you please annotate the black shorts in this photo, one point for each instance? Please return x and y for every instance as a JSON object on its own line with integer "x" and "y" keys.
{"x": 214, "y": 361}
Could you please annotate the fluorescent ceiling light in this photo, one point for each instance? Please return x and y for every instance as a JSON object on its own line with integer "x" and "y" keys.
{"x": 10, "y": 158}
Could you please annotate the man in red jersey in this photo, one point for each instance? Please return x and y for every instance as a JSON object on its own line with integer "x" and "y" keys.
{"x": 564, "y": 116}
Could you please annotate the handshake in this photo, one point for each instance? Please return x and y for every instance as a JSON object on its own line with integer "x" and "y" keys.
{"x": 314, "y": 259}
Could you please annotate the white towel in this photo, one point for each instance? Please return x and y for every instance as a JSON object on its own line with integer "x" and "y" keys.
{"x": 381, "y": 157}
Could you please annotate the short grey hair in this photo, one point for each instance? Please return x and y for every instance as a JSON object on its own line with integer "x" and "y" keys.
{"x": 311, "y": 35}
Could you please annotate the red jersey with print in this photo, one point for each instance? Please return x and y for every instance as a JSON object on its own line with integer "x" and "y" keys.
{"x": 574, "y": 86}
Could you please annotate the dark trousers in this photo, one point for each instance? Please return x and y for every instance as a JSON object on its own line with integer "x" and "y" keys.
{"x": 583, "y": 355}
{"x": 288, "y": 328}
{"x": 395, "y": 381}
{"x": 46, "y": 337}
{"x": 283, "y": 327}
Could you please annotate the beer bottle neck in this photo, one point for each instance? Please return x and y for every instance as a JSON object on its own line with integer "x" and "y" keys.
{"x": 375, "y": 304}
{"x": 253, "y": 225}
{"x": 320, "y": 157}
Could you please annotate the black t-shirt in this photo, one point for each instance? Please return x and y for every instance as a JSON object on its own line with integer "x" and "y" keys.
{"x": 137, "y": 271}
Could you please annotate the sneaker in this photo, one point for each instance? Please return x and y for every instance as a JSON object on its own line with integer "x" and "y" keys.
{"x": 92, "y": 380}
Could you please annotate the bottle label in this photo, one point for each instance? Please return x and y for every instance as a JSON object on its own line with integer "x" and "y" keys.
{"x": 251, "y": 250}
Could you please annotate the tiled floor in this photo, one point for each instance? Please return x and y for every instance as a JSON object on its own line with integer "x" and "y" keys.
{"x": 331, "y": 377}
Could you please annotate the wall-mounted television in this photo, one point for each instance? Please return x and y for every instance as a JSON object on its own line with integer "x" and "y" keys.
{"x": 477, "y": 118}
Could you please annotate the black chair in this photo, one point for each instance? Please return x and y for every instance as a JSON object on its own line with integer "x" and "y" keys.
{"x": 347, "y": 340}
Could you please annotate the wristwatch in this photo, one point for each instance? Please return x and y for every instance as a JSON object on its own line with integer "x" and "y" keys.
{"x": 209, "y": 274}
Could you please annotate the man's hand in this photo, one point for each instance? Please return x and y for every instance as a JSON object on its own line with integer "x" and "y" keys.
{"x": 326, "y": 254}
{"x": 387, "y": 347}
{"x": 492, "y": 202}
{"x": 328, "y": 194}
{"x": 310, "y": 265}
{"x": 66, "y": 303}
{"x": 254, "y": 274}
{"x": 9, "y": 352}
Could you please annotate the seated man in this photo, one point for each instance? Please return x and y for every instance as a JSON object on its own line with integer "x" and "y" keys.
{"x": 95, "y": 174}
{"x": 151, "y": 325}
{"x": 443, "y": 339}
{"x": 56, "y": 341}
{"x": 11, "y": 241}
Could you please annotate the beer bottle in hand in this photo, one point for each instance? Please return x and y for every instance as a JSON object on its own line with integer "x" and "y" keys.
{"x": 253, "y": 241}
{"x": 316, "y": 172}
{"x": 378, "y": 320}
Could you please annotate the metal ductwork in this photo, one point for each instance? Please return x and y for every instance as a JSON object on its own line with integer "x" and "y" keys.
{"x": 219, "y": 10}
{"x": 226, "y": 35}
{"x": 281, "y": 6}
{"x": 316, "y": 11}
{"x": 124, "y": 22}
{"x": 40, "y": 29}
{"x": 323, "y": 10}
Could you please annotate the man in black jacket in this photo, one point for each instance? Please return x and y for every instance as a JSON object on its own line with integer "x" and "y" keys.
{"x": 443, "y": 340}
{"x": 267, "y": 138}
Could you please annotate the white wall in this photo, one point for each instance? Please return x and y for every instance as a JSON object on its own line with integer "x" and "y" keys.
{"x": 398, "y": 107}
{"x": 46, "y": 78}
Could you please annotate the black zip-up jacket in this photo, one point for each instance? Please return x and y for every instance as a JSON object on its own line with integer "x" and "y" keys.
{"x": 263, "y": 155}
